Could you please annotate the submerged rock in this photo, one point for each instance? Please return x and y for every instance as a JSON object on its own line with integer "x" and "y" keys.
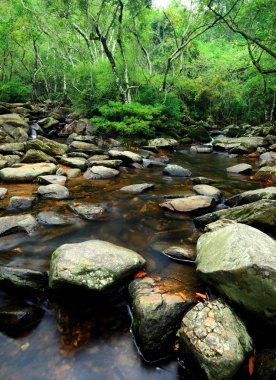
{"x": 176, "y": 171}
{"x": 252, "y": 196}
{"x": 240, "y": 169}
{"x": 203, "y": 180}
{"x": 88, "y": 211}
{"x": 94, "y": 265}
{"x": 217, "y": 340}
{"x": 18, "y": 223}
{"x": 53, "y": 218}
{"x": 26, "y": 172}
{"x": 14, "y": 318}
{"x": 100, "y": 172}
{"x": 208, "y": 191}
{"x": 240, "y": 262}
{"x": 53, "y": 191}
{"x": 18, "y": 204}
{"x": 137, "y": 188}
{"x": 189, "y": 204}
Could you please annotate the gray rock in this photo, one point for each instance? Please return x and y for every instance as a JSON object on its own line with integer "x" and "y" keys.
{"x": 107, "y": 163}
{"x": 100, "y": 172}
{"x": 218, "y": 224}
{"x": 3, "y": 192}
{"x": 180, "y": 253}
{"x": 48, "y": 146}
{"x": 53, "y": 191}
{"x": 176, "y": 171}
{"x": 126, "y": 156}
{"x": 153, "y": 163}
{"x": 19, "y": 223}
{"x": 74, "y": 162}
{"x": 216, "y": 339}
{"x": 266, "y": 174}
{"x": 260, "y": 214}
{"x": 240, "y": 169}
{"x": 201, "y": 149}
{"x": 156, "y": 316}
{"x": 12, "y": 147}
{"x": 251, "y": 143}
{"x": 53, "y": 218}
{"x": 13, "y": 120}
{"x": 208, "y": 191}
{"x": 88, "y": 211}
{"x": 26, "y": 172}
{"x": 85, "y": 147}
{"x": 52, "y": 179}
{"x": 95, "y": 265}
{"x": 189, "y": 204}
{"x": 48, "y": 122}
{"x": 269, "y": 157}
{"x": 33, "y": 155}
{"x": 203, "y": 180}
{"x": 18, "y": 204}
{"x": 163, "y": 143}
{"x": 240, "y": 262}
{"x": 252, "y": 196}
{"x": 137, "y": 188}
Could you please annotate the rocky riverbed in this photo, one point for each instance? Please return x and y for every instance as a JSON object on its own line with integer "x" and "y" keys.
{"x": 149, "y": 261}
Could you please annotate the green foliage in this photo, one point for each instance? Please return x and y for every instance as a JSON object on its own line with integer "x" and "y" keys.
{"x": 15, "y": 91}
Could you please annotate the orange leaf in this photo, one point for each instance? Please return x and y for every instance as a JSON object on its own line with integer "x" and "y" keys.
{"x": 203, "y": 296}
{"x": 269, "y": 181}
{"x": 251, "y": 363}
{"x": 251, "y": 177}
{"x": 182, "y": 295}
{"x": 141, "y": 274}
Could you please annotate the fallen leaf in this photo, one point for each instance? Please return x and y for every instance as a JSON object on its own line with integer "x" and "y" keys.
{"x": 202, "y": 296}
{"x": 269, "y": 181}
{"x": 251, "y": 363}
{"x": 251, "y": 177}
{"x": 141, "y": 274}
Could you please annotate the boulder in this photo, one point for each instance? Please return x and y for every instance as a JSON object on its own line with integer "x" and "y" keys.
{"x": 85, "y": 147}
{"x": 266, "y": 174}
{"x": 251, "y": 143}
{"x": 208, "y": 191}
{"x": 52, "y": 179}
{"x": 156, "y": 316}
{"x": 12, "y": 147}
{"x": 260, "y": 214}
{"x": 176, "y": 171}
{"x": 268, "y": 157}
{"x": 252, "y": 196}
{"x": 240, "y": 262}
{"x": 68, "y": 172}
{"x": 48, "y": 146}
{"x": 19, "y": 223}
{"x": 74, "y": 162}
{"x": 137, "y": 188}
{"x": 48, "y": 123}
{"x": 180, "y": 253}
{"x": 88, "y": 211}
{"x": 100, "y": 172}
{"x": 217, "y": 340}
{"x": 26, "y": 172}
{"x": 3, "y": 192}
{"x": 20, "y": 203}
{"x": 189, "y": 204}
{"x": 203, "y": 180}
{"x": 14, "y": 318}
{"x": 94, "y": 265}
{"x": 201, "y": 149}
{"x": 9, "y": 160}
{"x": 53, "y": 191}
{"x": 107, "y": 163}
{"x": 163, "y": 143}
{"x": 33, "y": 155}
{"x": 53, "y": 218}
{"x": 240, "y": 169}
{"x": 126, "y": 156}
{"x": 13, "y": 120}
{"x": 156, "y": 163}
{"x": 218, "y": 224}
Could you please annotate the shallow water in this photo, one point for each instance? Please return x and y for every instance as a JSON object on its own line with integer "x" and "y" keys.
{"x": 96, "y": 343}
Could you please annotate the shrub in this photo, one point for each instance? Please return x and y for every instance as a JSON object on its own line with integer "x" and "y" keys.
{"x": 15, "y": 91}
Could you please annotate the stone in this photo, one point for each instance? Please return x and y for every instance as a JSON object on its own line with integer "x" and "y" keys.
{"x": 52, "y": 179}
{"x": 218, "y": 224}
{"x": 13, "y": 120}
{"x": 156, "y": 316}
{"x": 201, "y": 149}
{"x": 74, "y": 162}
{"x": 126, "y": 156}
{"x": 240, "y": 169}
{"x": 251, "y": 196}
{"x": 208, "y": 191}
{"x": 252, "y": 143}
{"x": 78, "y": 155}
{"x": 48, "y": 122}
{"x": 268, "y": 157}
{"x": 48, "y": 146}
{"x": 26, "y": 172}
{"x": 107, "y": 163}
{"x": 3, "y": 192}
{"x": 147, "y": 163}
{"x": 9, "y": 160}
{"x": 100, "y": 172}
{"x": 216, "y": 338}
{"x": 240, "y": 262}
{"x": 180, "y": 253}
{"x": 266, "y": 174}
{"x": 53, "y": 218}
{"x": 88, "y": 211}
{"x": 189, "y": 204}
{"x": 68, "y": 172}
{"x": 163, "y": 143}
{"x": 33, "y": 155}
{"x": 176, "y": 171}
{"x": 85, "y": 147}
{"x": 203, "y": 180}
{"x": 137, "y": 188}
{"x": 260, "y": 214}
{"x": 94, "y": 265}
{"x": 17, "y": 223}
{"x": 14, "y": 318}
{"x": 12, "y": 147}
{"x": 20, "y": 203}
{"x": 53, "y": 191}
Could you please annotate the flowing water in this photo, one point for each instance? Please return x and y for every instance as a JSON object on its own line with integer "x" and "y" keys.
{"x": 70, "y": 344}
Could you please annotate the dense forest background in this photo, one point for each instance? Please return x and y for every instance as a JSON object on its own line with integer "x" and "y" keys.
{"x": 131, "y": 66}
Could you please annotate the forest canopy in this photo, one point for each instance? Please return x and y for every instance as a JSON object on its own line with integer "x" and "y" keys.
{"x": 116, "y": 59}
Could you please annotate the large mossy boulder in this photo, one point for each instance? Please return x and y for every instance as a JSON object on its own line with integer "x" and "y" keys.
{"x": 240, "y": 262}
{"x": 213, "y": 335}
{"x": 251, "y": 196}
{"x": 13, "y": 120}
{"x": 33, "y": 155}
{"x": 26, "y": 172}
{"x": 48, "y": 146}
{"x": 93, "y": 265}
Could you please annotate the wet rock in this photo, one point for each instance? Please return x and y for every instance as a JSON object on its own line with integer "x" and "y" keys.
{"x": 97, "y": 157}
{"x": 260, "y": 214}
{"x": 78, "y": 155}
{"x": 176, "y": 171}
{"x": 251, "y": 143}
{"x": 94, "y": 265}
{"x": 85, "y": 147}
{"x": 23, "y": 278}
{"x": 156, "y": 316}
{"x": 12, "y": 147}
{"x": 268, "y": 157}
{"x": 3, "y": 192}
{"x": 53, "y": 218}
{"x": 14, "y": 318}
{"x": 218, "y": 224}
{"x": 53, "y": 191}
{"x": 48, "y": 146}
{"x": 163, "y": 143}
{"x": 74, "y": 162}
{"x": 9, "y": 160}
{"x": 13, "y": 120}
{"x": 107, "y": 163}
{"x": 201, "y": 149}
{"x": 203, "y": 180}
{"x": 252, "y": 196}
{"x": 214, "y": 336}
{"x": 153, "y": 163}
{"x": 137, "y": 188}
{"x": 180, "y": 253}
{"x": 240, "y": 262}
{"x": 126, "y": 156}
{"x": 208, "y": 191}
{"x": 240, "y": 169}
{"x": 189, "y": 204}
{"x": 100, "y": 172}
{"x": 32, "y": 156}
{"x": 88, "y": 211}
{"x": 48, "y": 123}
{"x": 21, "y": 203}
{"x": 68, "y": 172}
{"x": 26, "y": 172}
{"x": 266, "y": 174}
{"x": 265, "y": 364}
{"x": 52, "y": 179}
{"x": 19, "y": 223}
